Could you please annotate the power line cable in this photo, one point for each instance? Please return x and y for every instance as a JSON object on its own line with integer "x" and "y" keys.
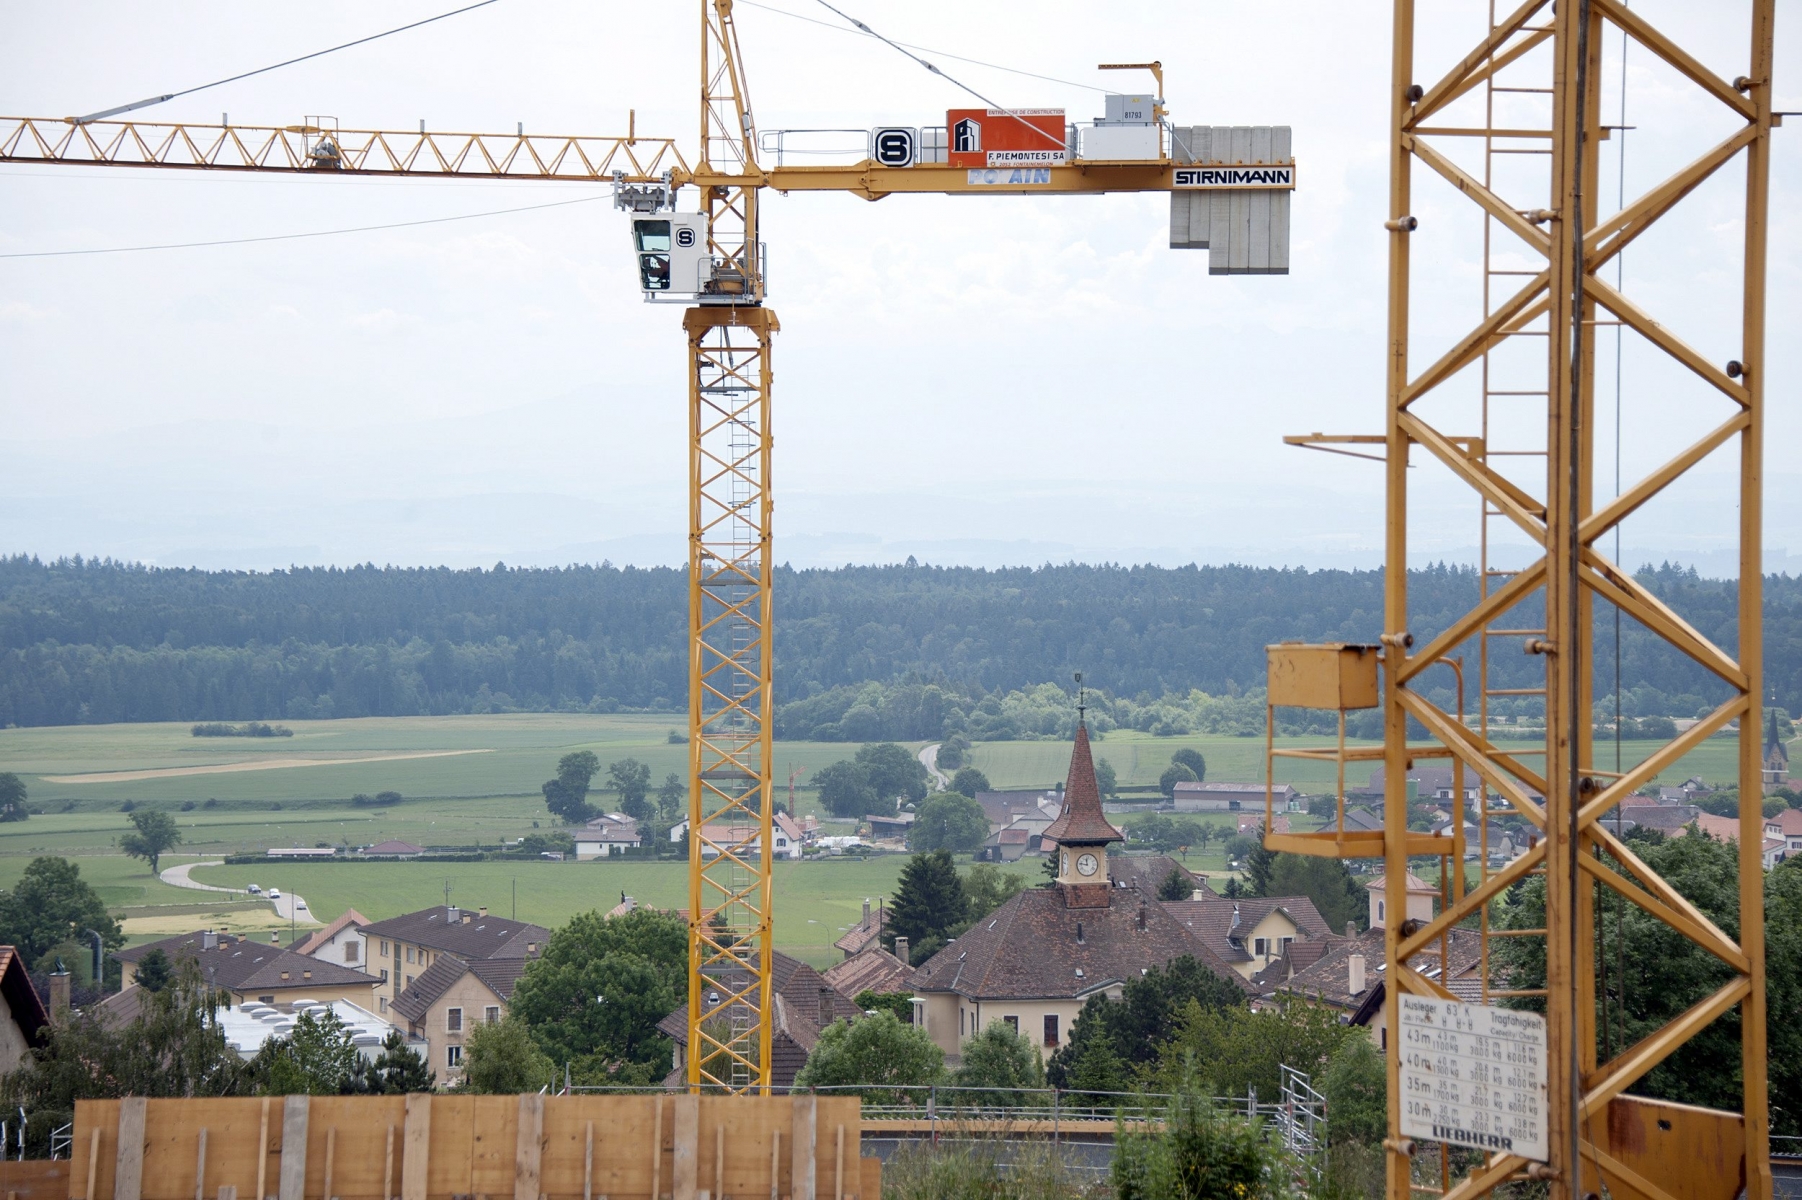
{"x": 897, "y": 46}
{"x": 125, "y": 108}
{"x": 288, "y": 237}
{"x": 783, "y": 12}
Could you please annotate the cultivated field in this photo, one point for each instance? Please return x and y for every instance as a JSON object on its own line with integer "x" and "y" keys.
{"x": 471, "y": 781}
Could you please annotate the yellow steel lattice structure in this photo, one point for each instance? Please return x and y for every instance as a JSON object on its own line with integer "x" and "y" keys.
{"x": 730, "y": 749}
{"x": 1551, "y": 56}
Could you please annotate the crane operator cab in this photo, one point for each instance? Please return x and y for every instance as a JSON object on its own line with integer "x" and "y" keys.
{"x": 672, "y": 253}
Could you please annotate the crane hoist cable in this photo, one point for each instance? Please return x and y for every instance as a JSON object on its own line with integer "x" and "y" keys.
{"x": 133, "y": 107}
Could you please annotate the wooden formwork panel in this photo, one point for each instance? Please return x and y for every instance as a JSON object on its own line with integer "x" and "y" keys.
{"x": 432, "y": 1147}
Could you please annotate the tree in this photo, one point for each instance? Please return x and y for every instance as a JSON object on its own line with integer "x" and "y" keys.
{"x": 399, "y": 1069}
{"x": 1193, "y": 760}
{"x": 845, "y": 790}
{"x": 1113, "y": 1036}
{"x": 876, "y": 1057}
{"x": 1258, "y": 862}
{"x": 12, "y": 798}
{"x": 173, "y": 1047}
{"x": 894, "y": 772}
{"x": 1176, "y": 886}
{"x": 929, "y": 905}
{"x": 899, "y": 1003}
{"x": 632, "y": 780}
{"x": 949, "y": 821}
{"x": 1328, "y": 882}
{"x": 154, "y": 971}
{"x": 567, "y": 795}
{"x": 672, "y": 797}
{"x": 595, "y": 995}
{"x": 1199, "y": 1152}
{"x": 1234, "y": 1049}
{"x": 1356, "y": 1090}
{"x": 1174, "y": 774}
{"x": 952, "y": 752}
{"x": 154, "y": 833}
{"x": 317, "y": 1059}
{"x": 986, "y": 888}
{"x": 1106, "y": 780}
{"x": 1003, "y": 1064}
{"x": 50, "y": 904}
{"x": 500, "y": 1058}
{"x": 969, "y": 781}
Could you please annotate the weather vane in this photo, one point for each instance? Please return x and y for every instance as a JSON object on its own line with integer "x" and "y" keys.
{"x": 1081, "y": 696}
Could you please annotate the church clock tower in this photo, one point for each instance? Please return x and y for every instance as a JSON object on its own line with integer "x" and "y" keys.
{"x": 1080, "y": 835}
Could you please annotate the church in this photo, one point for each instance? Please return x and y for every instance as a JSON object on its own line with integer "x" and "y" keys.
{"x": 1032, "y": 963}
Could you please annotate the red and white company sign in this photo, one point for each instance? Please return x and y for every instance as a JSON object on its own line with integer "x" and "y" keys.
{"x": 1006, "y": 137}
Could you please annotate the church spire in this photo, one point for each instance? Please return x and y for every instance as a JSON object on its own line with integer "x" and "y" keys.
{"x": 1081, "y": 819}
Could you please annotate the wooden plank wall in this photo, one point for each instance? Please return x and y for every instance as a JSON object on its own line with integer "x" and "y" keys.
{"x": 433, "y": 1147}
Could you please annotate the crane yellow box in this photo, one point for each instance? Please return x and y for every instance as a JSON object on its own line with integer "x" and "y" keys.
{"x": 1331, "y": 675}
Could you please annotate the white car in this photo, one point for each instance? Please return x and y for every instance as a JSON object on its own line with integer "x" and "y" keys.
{"x": 301, "y": 905}
{"x": 275, "y": 893}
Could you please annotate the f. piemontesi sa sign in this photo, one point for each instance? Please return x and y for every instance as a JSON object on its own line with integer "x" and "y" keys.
{"x": 1214, "y": 178}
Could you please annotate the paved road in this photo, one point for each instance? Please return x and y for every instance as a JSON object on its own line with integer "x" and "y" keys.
{"x": 929, "y": 758}
{"x": 284, "y": 907}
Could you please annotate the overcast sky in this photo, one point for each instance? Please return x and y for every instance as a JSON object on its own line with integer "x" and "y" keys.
{"x": 992, "y": 380}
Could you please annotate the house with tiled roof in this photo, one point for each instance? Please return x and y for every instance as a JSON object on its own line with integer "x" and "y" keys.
{"x": 1004, "y": 808}
{"x": 1032, "y": 963}
{"x": 1350, "y": 976}
{"x": 867, "y": 932}
{"x": 23, "y": 1017}
{"x": 1788, "y": 826}
{"x": 873, "y": 970}
{"x": 340, "y": 942}
{"x": 802, "y": 1004}
{"x": 1726, "y": 829}
{"x": 440, "y": 1007}
{"x": 400, "y": 949}
{"x": 606, "y": 835}
{"x": 1250, "y": 932}
{"x": 253, "y": 971}
{"x": 1421, "y": 897}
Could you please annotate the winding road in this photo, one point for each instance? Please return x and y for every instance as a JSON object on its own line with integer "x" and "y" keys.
{"x": 285, "y": 905}
{"x": 929, "y": 758}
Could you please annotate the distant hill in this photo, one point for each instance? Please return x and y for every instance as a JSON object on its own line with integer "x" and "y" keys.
{"x": 103, "y": 641}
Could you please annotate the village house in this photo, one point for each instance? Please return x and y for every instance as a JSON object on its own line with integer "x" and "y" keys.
{"x": 606, "y": 835}
{"x": 867, "y": 932}
{"x": 251, "y": 971}
{"x": 1004, "y": 808}
{"x": 1147, "y": 872}
{"x": 803, "y": 1004}
{"x": 1032, "y": 963}
{"x": 1788, "y": 826}
{"x": 788, "y": 843}
{"x": 340, "y": 942}
{"x": 402, "y": 948}
{"x": 441, "y": 1006}
{"x": 392, "y": 848}
{"x": 23, "y": 1017}
{"x": 1726, "y": 829}
{"x": 872, "y": 969}
{"x": 1251, "y": 932}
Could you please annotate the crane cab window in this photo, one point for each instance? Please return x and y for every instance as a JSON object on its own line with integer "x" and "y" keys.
{"x": 652, "y": 239}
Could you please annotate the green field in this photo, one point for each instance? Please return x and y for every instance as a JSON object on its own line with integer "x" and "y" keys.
{"x": 481, "y": 796}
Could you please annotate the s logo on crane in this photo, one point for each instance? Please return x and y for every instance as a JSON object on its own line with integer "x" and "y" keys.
{"x": 893, "y": 147}
{"x": 685, "y": 237}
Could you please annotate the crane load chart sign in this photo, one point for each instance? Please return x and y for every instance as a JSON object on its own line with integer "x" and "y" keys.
{"x": 1473, "y": 1075}
{"x": 1007, "y": 137}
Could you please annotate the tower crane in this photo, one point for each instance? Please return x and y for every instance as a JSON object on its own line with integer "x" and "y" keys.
{"x": 1229, "y": 190}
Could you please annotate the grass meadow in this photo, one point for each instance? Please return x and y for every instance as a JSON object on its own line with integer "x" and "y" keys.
{"x": 477, "y": 785}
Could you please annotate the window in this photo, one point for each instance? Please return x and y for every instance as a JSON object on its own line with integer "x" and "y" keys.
{"x": 1051, "y": 1029}
{"x": 1012, "y": 1023}
{"x": 453, "y": 1057}
{"x": 384, "y": 948}
{"x": 1260, "y": 947}
{"x": 453, "y": 1020}
{"x": 960, "y": 1022}
{"x": 266, "y": 999}
{"x": 493, "y": 1013}
{"x": 384, "y": 974}
{"x": 409, "y": 954}
{"x": 382, "y": 1001}
{"x": 351, "y": 949}
{"x": 409, "y": 981}
{"x": 1379, "y": 910}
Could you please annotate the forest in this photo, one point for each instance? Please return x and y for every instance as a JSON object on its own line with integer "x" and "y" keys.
{"x": 861, "y": 652}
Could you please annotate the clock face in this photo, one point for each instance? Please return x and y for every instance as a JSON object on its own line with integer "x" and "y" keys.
{"x": 1086, "y": 864}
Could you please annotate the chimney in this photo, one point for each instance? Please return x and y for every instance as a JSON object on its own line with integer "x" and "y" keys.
{"x": 866, "y": 912}
{"x": 209, "y": 940}
{"x": 468, "y": 917}
{"x": 1141, "y": 917}
{"x": 901, "y": 950}
{"x": 1351, "y": 929}
{"x": 59, "y": 993}
{"x": 482, "y": 911}
{"x": 452, "y": 914}
{"x": 828, "y": 1010}
{"x": 275, "y": 938}
{"x": 1355, "y": 971}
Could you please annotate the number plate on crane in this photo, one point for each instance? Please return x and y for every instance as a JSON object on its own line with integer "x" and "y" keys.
{"x": 1474, "y": 1075}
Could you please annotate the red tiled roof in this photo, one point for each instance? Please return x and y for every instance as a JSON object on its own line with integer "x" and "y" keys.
{"x": 1081, "y": 819}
